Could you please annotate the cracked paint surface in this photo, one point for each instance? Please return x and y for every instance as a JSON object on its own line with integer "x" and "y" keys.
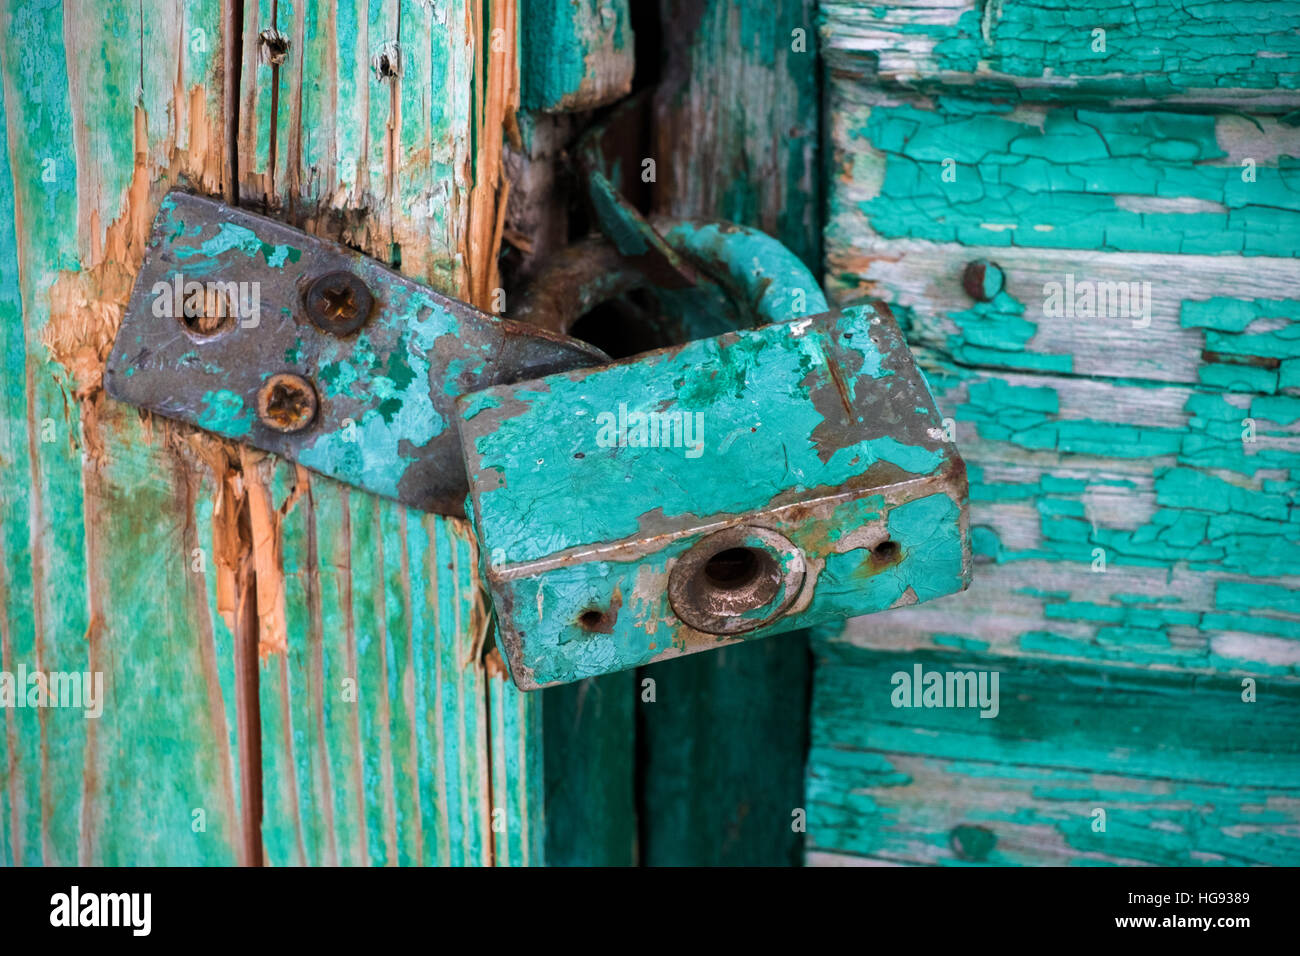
{"x": 815, "y": 415}
{"x": 1047, "y": 48}
{"x": 1135, "y": 488}
{"x": 1053, "y": 178}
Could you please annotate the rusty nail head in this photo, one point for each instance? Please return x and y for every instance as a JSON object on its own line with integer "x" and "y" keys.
{"x": 982, "y": 280}
{"x": 286, "y": 402}
{"x": 338, "y": 302}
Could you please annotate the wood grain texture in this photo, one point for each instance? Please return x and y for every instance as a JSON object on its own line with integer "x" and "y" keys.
{"x": 386, "y": 740}
{"x": 1133, "y": 471}
{"x": 1186, "y": 772}
{"x": 518, "y": 772}
{"x": 158, "y": 555}
{"x": 576, "y": 55}
{"x": 1176, "y": 324}
{"x": 755, "y": 164}
{"x": 1240, "y": 54}
{"x": 107, "y": 517}
{"x": 375, "y": 725}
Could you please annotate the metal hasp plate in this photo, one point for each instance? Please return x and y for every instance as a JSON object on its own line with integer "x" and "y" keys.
{"x": 260, "y": 332}
{"x": 726, "y": 489}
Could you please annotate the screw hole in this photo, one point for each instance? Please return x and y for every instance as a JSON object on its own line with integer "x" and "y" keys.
{"x": 213, "y": 316}
{"x": 590, "y": 619}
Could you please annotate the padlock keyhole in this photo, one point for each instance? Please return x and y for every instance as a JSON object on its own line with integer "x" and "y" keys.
{"x": 736, "y": 580}
{"x": 732, "y": 569}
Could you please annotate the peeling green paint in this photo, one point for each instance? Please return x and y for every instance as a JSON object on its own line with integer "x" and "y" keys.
{"x": 816, "y": 412}
{"x": 1047, "y": 49}
{"x": 224, "y": 412}
{"x": 914, "y": 785}
{"x": 983, "y": 175}
{"x": 576, "y": 54}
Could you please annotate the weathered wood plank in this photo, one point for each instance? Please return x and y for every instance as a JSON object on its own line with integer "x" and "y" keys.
{"x": 1153, "y": 317}
{"x": 575, "y": 55}
{"x": 108, "y": 541}
{"x": 1242, "y": 54}
{"x": 590, "y": 755}
{"x": 385, "y": 740}
{"x": 942, "y": 785}
{"x": 755, "y": 164}
{"x": 383, "y": 757}
{"x": 1132, "y": 469}
{"x": 723, "y": 742}
{"x": 723, "y": 755}
{"x": 518, "y": 772}
{"x": 1125, "y": 523}
{"x": 989, "y": 173}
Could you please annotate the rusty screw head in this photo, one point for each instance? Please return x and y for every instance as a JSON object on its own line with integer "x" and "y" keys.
{"x": 286, "y": 402}
{"x": 338, "y": 302}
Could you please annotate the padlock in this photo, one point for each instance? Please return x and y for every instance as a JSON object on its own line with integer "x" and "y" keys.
{"x": 722, "y": 490}
{"x": 739, "y": 485}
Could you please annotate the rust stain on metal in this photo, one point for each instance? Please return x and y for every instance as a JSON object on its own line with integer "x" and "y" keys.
{"x": 287, "y": 402}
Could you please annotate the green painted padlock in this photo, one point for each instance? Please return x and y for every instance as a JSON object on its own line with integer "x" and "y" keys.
{"x": 723, "y": 490}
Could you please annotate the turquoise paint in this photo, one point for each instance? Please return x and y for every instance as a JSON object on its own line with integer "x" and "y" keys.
{"x": 1210, "y": 514}
{"x": 545, "y": 605}
{"x": 996, "y": 333}
{"x": 231, "y": 236}
{"x": 1155, "y": 50}
{"x": 1056, "y": 186}
{"x": 1012, "y": 49}
{"x": 757, "y": 269}
{"x": 1200, "y": 518}
{"x": 732, "y": 381}
{"x": 574, "y": 54}
{"x": 1215, "y": 511}
{"x": 224, "y": 412}
{"x": 908, "y": 785}
{"x": 1265, "y": 361}
{"x": 796, "y": 407}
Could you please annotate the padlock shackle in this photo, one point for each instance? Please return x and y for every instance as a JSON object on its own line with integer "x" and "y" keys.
{"x": 742, "y": 278}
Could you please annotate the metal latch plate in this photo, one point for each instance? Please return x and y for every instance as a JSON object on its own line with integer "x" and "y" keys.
{"x": 222, "y": 307}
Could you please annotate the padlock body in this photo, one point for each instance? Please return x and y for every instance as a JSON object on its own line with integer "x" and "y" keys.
{"x": 722, "y": 490}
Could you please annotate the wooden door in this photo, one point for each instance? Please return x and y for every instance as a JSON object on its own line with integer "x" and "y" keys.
{"x": 1001, "y": 173}
{"x": 294, "y": 672}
